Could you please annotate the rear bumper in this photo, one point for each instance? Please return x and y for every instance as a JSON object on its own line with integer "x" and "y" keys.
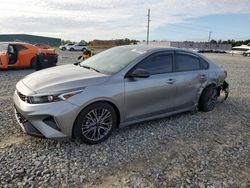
{"x": 224, "y": 88}
{"x": 46, "y": 61}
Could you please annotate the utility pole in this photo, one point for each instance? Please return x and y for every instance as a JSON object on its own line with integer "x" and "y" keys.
{"x": 209, "y": 36}
{"x": 148, "y": 25}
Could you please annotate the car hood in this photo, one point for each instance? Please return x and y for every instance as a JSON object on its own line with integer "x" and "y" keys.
{"x": 63, "y": 78}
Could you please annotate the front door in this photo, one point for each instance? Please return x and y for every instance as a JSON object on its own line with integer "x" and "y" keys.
{"x": 145, "y": 97}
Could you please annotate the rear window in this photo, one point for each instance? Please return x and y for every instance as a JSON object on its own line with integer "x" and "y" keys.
{"x": 203, "y": 64}
{"x": 19, "y": 47}
{"x": 187, "y": 63}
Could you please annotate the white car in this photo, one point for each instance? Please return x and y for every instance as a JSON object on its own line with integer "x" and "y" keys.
{"x": 77, "y": 47}
{"x": 64, "y": 47}
{"x": 247, "y": 53}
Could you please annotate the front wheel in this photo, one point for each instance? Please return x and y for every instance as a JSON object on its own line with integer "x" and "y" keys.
{"x": 208, "y": 99}
{"x": 95, "y": 123}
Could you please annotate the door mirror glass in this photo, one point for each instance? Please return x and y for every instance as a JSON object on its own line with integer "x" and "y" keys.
{"x": 140, "y": 73}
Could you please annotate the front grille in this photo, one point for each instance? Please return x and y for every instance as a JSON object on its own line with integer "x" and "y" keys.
{"x": 21, "y": 119}
{"x": 27, "y": 126}
{"x": 22, "y": 96}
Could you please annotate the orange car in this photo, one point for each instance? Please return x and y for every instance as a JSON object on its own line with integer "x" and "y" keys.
{"x": 22, "y": 54}
{"x": 43, "y": 46}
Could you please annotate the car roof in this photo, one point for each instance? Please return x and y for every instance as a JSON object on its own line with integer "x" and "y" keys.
{"x": 150, "y": 48}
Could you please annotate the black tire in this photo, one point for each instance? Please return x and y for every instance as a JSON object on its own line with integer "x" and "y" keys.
{"x": 63, "y": 48}
{"x": 33, "y": 63}
{"x": 71, "y": 49}
{"x": 208, "y": 99}
{"x": 84, "y": 127}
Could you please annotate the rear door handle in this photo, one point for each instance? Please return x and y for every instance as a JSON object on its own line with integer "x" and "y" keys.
{"x": 171, "y": 81}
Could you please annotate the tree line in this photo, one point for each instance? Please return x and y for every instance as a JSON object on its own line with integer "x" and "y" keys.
{"x": 233, "y": 42}
{"x": 115, "y": 42}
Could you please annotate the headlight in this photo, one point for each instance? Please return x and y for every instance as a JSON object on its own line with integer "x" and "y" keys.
{"x": 52, "y": 98}
{"x": 43, "y": 99}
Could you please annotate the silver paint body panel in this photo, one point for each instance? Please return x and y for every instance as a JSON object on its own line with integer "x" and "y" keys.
{"x": 136, "y": 99}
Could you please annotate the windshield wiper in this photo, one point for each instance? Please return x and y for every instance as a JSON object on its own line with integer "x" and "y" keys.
{"x": 88, "y": 67}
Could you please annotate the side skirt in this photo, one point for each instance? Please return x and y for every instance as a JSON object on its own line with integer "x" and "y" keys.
{"x": 159, "y": 116}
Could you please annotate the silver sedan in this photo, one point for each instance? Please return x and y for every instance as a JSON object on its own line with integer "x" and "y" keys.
{"x": 115, "y": 88}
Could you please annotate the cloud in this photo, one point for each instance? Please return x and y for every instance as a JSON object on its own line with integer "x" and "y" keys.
{"x": 105, "y": 19}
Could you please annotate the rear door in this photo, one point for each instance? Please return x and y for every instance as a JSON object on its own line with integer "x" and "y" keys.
{"x": 145, "y": 97}
{"x": 189, "y": 78}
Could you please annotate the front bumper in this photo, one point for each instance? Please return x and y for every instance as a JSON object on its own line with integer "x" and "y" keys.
{"x": 48, "y": 120}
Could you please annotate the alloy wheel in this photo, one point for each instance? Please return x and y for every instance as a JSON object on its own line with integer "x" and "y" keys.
{"x": 97, "y": 123}
{"x": 212, "y": 99}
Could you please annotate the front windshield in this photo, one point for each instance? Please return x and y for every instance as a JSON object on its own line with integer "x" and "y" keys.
{"x": 3, "y": 47}
{"x": 112, "y": 60}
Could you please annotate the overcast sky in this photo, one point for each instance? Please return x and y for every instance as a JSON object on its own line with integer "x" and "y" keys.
{"x": 112, "y": 19}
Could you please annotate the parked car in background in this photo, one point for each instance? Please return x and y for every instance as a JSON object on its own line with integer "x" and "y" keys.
{"x": 117, "y": 87}
{"x": 204, "y": 51}
{"x": 64, "y": 47}
{"x": 77, "y": 47}
{"x": 247, "y": 53}
{"x": 22, "y": 54}
{"x": 219, "y": 51}
{"x": 240, "y": 50}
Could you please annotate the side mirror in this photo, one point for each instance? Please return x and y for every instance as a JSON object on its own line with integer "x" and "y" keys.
{"x": 139, "y": 73}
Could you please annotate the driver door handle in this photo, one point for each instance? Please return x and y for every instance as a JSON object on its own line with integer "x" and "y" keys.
{"x": 171, "y": 81}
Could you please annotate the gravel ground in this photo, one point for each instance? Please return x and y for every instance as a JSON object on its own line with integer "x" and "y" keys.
{"x": 187, "y": 150}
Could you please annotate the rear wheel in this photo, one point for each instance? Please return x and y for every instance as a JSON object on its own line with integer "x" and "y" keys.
{"x": 33, "y": 63}
{"x": 95, "y": 123}
{"x": 63, "y": 48}
{"x": 208, "y": 99}
{"x": 71, "y": 49}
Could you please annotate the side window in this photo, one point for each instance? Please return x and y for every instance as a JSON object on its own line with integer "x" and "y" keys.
{"x": 186, "y": 62}
{"x": 11, "y": 49}
{"x": 19, "y": 47}
{"x": 203, "y": 64}
{"x": 157, "y": 64}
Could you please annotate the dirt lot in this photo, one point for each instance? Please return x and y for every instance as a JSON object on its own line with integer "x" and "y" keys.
{"x": 187, "y": 150}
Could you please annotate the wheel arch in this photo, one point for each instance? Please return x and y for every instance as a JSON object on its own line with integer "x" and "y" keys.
{"x": 31, "y": 60}
{"x": 207, "y": 86}
{"x": 117, "y": 111}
